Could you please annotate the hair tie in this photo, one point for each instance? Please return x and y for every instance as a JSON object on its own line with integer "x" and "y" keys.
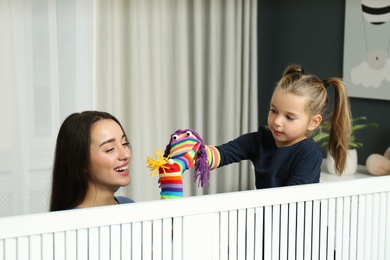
{"x": 326, "y": 84}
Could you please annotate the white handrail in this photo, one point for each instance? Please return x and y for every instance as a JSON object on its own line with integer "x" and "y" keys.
{"x": 26, "y": 225}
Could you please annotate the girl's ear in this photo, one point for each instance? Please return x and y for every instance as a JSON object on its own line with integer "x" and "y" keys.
{"x": 314, "y": 122}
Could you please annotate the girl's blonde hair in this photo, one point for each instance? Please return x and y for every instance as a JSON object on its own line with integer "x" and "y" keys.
{"x": 295, "y": 81}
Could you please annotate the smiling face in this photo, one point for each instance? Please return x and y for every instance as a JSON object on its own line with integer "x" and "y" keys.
{"x": 109, "y": 156}
{"x": 288, "y": 119}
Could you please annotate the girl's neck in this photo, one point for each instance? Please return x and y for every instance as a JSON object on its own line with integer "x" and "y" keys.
{"x": 287, "y": 144}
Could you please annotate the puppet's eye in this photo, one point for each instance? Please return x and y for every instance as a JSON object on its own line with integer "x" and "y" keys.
{"x": 188, "y": 133}
{"x": 174, "y": 137}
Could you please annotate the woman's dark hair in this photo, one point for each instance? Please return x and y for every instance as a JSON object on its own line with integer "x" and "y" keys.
{"x": 71, "y": 160}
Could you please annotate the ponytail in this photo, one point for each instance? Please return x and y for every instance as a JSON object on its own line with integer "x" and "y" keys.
{"x": 340, "y": 125}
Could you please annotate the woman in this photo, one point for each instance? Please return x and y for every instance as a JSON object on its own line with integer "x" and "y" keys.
{"x": 91, "y": 162}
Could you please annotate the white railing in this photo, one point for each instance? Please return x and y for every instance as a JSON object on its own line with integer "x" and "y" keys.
{"x": 336, "y": 220}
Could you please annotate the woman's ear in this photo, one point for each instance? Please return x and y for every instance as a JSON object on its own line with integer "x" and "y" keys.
{"x": 314, "y": 122}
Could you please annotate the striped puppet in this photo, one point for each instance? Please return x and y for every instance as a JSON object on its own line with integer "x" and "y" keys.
{"x": 184, "y": 151}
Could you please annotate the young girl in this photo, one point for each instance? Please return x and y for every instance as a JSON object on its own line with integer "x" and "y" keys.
{"x": 282, "y": 153}
{"x": 91, "y": 162}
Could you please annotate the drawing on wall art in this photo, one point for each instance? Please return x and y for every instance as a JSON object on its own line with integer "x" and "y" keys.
{"x": 366, "y": 48}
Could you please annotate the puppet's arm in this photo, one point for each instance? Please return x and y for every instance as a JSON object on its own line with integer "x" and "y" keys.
{"x": 207, "y": 158}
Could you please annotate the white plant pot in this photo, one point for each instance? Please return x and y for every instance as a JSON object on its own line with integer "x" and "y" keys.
{"x": 350, "y": 165}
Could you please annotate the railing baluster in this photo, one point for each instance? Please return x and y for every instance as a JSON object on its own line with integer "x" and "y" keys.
{"x": 259, "y": 230}
{"x": 316, "y": 227}
{"x": 284, "y": 218}
{"x": 275, "y": 231}
{"x": 250, "y": 233}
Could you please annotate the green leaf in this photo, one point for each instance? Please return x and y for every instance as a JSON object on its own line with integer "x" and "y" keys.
{"x": 322, "y": 136}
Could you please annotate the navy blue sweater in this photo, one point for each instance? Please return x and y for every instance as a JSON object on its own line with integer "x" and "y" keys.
{"x": 299, "y": 163}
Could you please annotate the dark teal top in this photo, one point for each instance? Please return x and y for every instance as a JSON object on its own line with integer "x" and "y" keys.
{"x": 123, "y": 200}
{"x": 120, "y": 200}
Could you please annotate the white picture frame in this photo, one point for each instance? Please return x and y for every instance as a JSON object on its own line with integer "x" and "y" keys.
{"x": 366, "y": 68}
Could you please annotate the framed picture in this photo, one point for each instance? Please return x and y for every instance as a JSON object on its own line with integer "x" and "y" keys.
{"x": 366, "y": 69}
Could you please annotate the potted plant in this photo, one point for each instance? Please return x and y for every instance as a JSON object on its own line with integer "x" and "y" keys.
{"x": 321, "y": 137}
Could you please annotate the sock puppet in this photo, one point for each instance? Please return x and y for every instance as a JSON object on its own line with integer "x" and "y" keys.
{"x": 185, "y": 150}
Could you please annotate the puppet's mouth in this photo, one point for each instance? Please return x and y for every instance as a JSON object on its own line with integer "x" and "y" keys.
{"x": 196, "y": 147}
